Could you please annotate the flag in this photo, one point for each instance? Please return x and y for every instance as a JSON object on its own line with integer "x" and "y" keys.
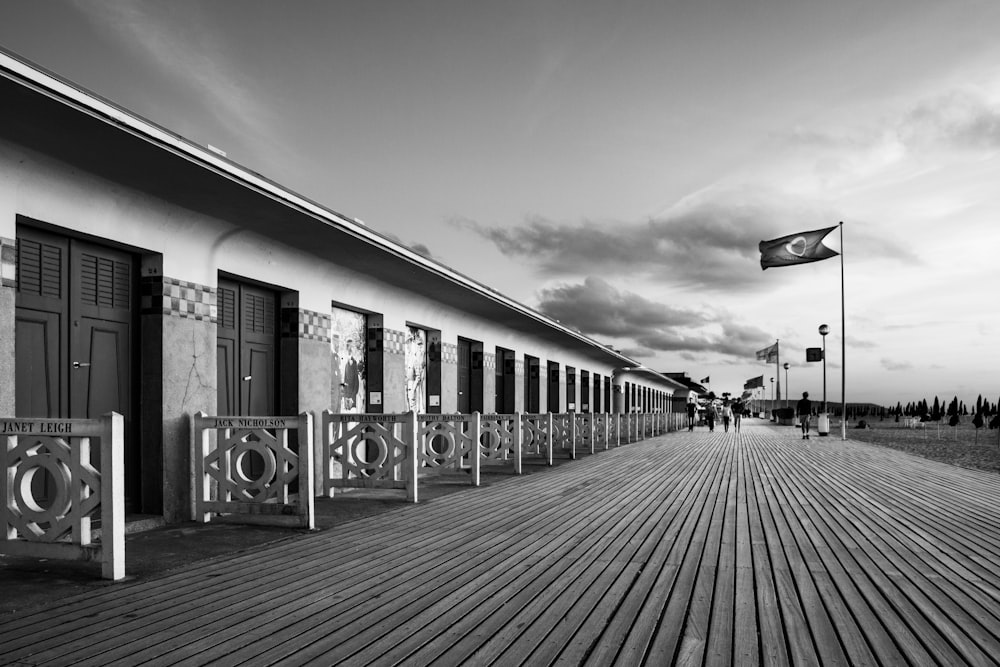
{"x": 706, "y": 379}
{"x": 753, "y": 383}
{"x": 796, "y": 249}
{"x": 768, "y": 354}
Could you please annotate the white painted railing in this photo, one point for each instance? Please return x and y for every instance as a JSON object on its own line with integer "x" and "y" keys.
{"x": 280, "y": 494}
{"x": 450, "y": 441}
{"x": 536, "y": 435}
{"x": 392, "y": 451}
{"x": 59, "y": 526}
{"x": 500, "y": 439}
{"x": 369, "y": 451}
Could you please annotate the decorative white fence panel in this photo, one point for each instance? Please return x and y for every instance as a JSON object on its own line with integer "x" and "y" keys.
{"x": 500, "y": 439}
{"x": 449, "y": 440}
{"x": 583, "y": 423}
{"x": 370, "y": 451}
{"x": 614, "y": 429}
{"x": 676, "y": 421}
{"x": 264, "y": 497}
{"x": 563, "y": 433}
{"x": 633, "y": 427}
{"x": 601, "y": 430}
{"x": 60, "y": 528}
{"x": 536, "y": 435}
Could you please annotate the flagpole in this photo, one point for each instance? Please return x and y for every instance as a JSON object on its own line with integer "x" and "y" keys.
{"x": 843, "y": 344}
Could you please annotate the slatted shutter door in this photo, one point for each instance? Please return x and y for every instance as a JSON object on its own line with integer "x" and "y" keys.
{"x": 227, "y": 362}
{"x": 74, "y": 329}
{"x": 553, "y": 388}
{"x": 464, "y": 375}
{"x": 258, "y": 350}
{"x": 247, "y": 349}
{"x": 509, "y": 395}
{"x": 532, "y": 384}
{"x": 102, "y": 313}
{"x": 41, "y": 327}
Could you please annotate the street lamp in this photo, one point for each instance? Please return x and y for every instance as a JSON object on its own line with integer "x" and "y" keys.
{"x": 772, "y": 397}
{"x": 788, "y": 389}
{"x": 823, "y": 423}
{"x": 823, "y": 331}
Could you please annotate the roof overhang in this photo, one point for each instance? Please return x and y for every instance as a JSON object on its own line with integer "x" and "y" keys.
{"x": 46, "y": 113}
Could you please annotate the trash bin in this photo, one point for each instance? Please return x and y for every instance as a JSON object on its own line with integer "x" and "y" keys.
{"x": 823, "y": 424}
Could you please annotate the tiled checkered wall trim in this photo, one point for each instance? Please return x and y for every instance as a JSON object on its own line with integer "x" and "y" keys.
{"x": 178, "y": 298}
{"x": 449, "y": 353}
{"x": 489, "y": 360}
{"x": 305, "y": 324}
{"x": 8, "y": 262}
{"x": 392, "y": 341}
{"x": 518, "y": 367}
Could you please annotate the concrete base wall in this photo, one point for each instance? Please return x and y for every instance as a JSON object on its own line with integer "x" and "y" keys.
{"x": 314, "y": 393}
{"x": 189, "y": 386}
{"x": 7, "y": 387}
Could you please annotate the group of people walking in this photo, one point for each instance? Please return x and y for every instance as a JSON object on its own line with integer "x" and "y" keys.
{"x": 731, "y": 412}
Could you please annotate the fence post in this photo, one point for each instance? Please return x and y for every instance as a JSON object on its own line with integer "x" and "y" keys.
{"x": 113, "y": 497}
{"x": 591, "y": 430}
{"x": 202, "y": 483}
{"x": 412, "y": 455}
{"x": 474, "y": 452}
{"x": 572, "y": 435}
{"x": 516, "y": 443}
{"x": 548, "y": 435}
{"x": 325, "y": 463}
{"x": 307, "y": 503}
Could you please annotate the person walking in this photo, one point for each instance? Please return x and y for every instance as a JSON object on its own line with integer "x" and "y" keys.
{"x": 737, "y": 414}
{"x": 804, "y": 409}
{"x": 727, "y": 416}
{"x": 692, "y": 409}
{"x": 711, "y": 415}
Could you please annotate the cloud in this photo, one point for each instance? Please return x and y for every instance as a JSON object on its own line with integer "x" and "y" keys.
{"x": 890, "y": 365}
{"x": 710, "y": 244}
{"x": 709, "y": 241}
{"x": 183, "y": 49}
{"x": 959, "y": 119}
{"x": 598, "y": 309}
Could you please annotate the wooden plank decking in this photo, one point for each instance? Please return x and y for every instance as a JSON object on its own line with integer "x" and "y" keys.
{"x": 694, "y": 549}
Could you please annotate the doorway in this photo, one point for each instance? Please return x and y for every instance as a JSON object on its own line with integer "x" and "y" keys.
{"x": 75, "y": 338}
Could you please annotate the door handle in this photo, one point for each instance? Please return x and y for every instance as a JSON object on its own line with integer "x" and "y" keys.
{"x": 81, "y": 364}
{"x": 246, "y": 378}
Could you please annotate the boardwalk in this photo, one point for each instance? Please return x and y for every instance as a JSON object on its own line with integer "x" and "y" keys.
{"x": 713, "y": 549}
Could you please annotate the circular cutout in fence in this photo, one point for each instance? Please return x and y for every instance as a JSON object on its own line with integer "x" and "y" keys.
{"x": 253, "y": 465}
{"x": 369, "y": 451}
{"x": 41, "y": 488}
{"x": 441, "y": 445}
{"x": 490, "y": 439}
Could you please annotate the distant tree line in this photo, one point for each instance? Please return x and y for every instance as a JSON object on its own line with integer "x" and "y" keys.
{"x": 955, "y": 410}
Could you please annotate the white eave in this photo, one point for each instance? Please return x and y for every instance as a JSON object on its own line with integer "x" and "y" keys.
{"x": 71, "y": 95}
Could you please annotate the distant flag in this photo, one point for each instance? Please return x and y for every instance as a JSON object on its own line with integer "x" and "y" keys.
{"x": 796, "y": 249}
{"x": 753, "y": 383}
{"x": 768, "y": 354}
{"x": 706, "y": 379}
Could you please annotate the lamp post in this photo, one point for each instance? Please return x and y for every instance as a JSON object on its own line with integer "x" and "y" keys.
{"x": 823, "y": 424}
{"x": 788, "y": 389}
{"x": 771, "y": 406}
{"x": 823, "y": 331}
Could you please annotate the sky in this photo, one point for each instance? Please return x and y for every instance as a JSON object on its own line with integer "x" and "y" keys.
{"x": 616, "y": 163}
